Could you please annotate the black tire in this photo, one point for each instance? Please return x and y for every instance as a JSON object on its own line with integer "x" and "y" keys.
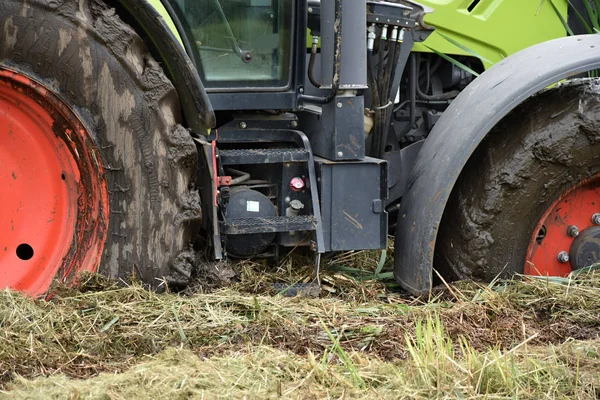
{"x": 101, "y": 68}
{"x": 537, "y": 152}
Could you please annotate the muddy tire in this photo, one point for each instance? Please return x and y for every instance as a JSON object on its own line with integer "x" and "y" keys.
{"x": 101, "y": 69}
{"x": 545, "y": 146}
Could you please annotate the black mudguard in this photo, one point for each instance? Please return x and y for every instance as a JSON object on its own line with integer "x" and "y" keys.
{"x": 458, "y": 133}
{"x": 179, "y": 68}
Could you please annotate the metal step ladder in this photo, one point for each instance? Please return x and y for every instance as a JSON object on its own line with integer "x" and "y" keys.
{"x": 261, "y": 156}
{"x": 244, "y": 226}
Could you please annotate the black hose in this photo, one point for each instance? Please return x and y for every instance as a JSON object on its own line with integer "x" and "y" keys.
{"x": 380, "y": 62}
{"x": 383, "y": 111}
{"x": 337, "y": 61}
{"x": 412, "y": 96}
{"x": 435, "y": 102}
{"x": 241, "y": 177}
{"x": 393, "y": 77}
{"x": 372, "y": 80}
{"x": 427, "y": 75}
{"x": 375, "y": 101}
{"x": 378, "y": 102}
{"x": 434, "y": 97}
{"x": 390, "y": 70}
{"x": 388, "y": 111}
{"x": 437, "y": 64}
{"x": 311, "y": 67}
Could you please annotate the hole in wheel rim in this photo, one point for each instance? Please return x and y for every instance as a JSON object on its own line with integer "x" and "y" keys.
{"x": 25, "y": 252}
{"x": 541, "y": 235}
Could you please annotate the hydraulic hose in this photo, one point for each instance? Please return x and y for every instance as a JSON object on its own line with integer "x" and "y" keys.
{"x": 337, "y": 61}
{"x": 412, "y": 96}
{"x": 375, "y": 100}
{"x": 242, "y": 177}
{"x": 389, "y": 73}
{"x": 387, "y": 111}
{"x": 396, "y": 57}
{"x": 382, "y": 103}
{"x": 311, "y": 63}
{"x": 372, "y": 79}
{"x": 433, "y": 97}
{"x": 380, "y": 62}
{"x": 382, "y": 111}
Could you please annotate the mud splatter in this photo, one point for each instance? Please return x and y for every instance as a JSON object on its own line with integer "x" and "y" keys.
{"x": 10, "y": 33}
{"x": 545, "y": 146}
{"x": 64, "y": 38}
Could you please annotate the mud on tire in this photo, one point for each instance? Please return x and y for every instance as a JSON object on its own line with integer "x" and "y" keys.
{"x": 542, "y": 148}
{"x": 100, "y": 67}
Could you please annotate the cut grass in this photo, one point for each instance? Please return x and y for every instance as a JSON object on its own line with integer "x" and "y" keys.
{"x": 529, "y": 339}
{"x": 264, "y": 372}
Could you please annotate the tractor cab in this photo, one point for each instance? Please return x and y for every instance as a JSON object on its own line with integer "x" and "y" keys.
{"x": 291, "y": 118}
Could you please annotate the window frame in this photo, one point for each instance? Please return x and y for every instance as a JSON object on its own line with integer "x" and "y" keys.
{"x": 188, "y": 39}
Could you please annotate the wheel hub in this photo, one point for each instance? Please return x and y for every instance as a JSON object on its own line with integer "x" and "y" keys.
{"x": 54, "y": 198}
{"x": 567, "y": 236}
{"x": 585, "y": 249}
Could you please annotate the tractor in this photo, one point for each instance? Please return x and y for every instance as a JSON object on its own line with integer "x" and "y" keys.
{"x": 138, "y": 135}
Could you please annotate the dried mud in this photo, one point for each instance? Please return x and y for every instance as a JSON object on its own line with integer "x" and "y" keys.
{"x": 548, "y": 144}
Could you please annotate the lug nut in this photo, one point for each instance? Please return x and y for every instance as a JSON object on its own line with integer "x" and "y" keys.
{"x": 573, "y": 231}
{"x": 596, "y": 219}
{"x": 563, "y": 257}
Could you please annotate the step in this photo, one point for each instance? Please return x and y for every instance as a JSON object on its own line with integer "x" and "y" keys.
{"x": 263, "y": 156}
{"x": 243, "y": 226}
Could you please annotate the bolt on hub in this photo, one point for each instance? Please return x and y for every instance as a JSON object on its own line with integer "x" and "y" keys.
{"x": 563, "y": 257}
{"x": 573, "y": 231}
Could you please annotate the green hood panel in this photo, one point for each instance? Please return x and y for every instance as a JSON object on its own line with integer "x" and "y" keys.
{"x": 493, "y": 29}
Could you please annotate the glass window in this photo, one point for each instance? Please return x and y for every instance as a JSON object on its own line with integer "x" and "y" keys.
{"x": 240, "y": 43}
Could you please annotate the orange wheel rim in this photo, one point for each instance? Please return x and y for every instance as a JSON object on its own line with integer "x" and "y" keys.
{"x": 54, "y": 199}
{"x": 567, "y": 236}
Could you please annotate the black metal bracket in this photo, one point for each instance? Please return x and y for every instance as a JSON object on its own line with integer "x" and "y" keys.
{"x": 233, "y": 134}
